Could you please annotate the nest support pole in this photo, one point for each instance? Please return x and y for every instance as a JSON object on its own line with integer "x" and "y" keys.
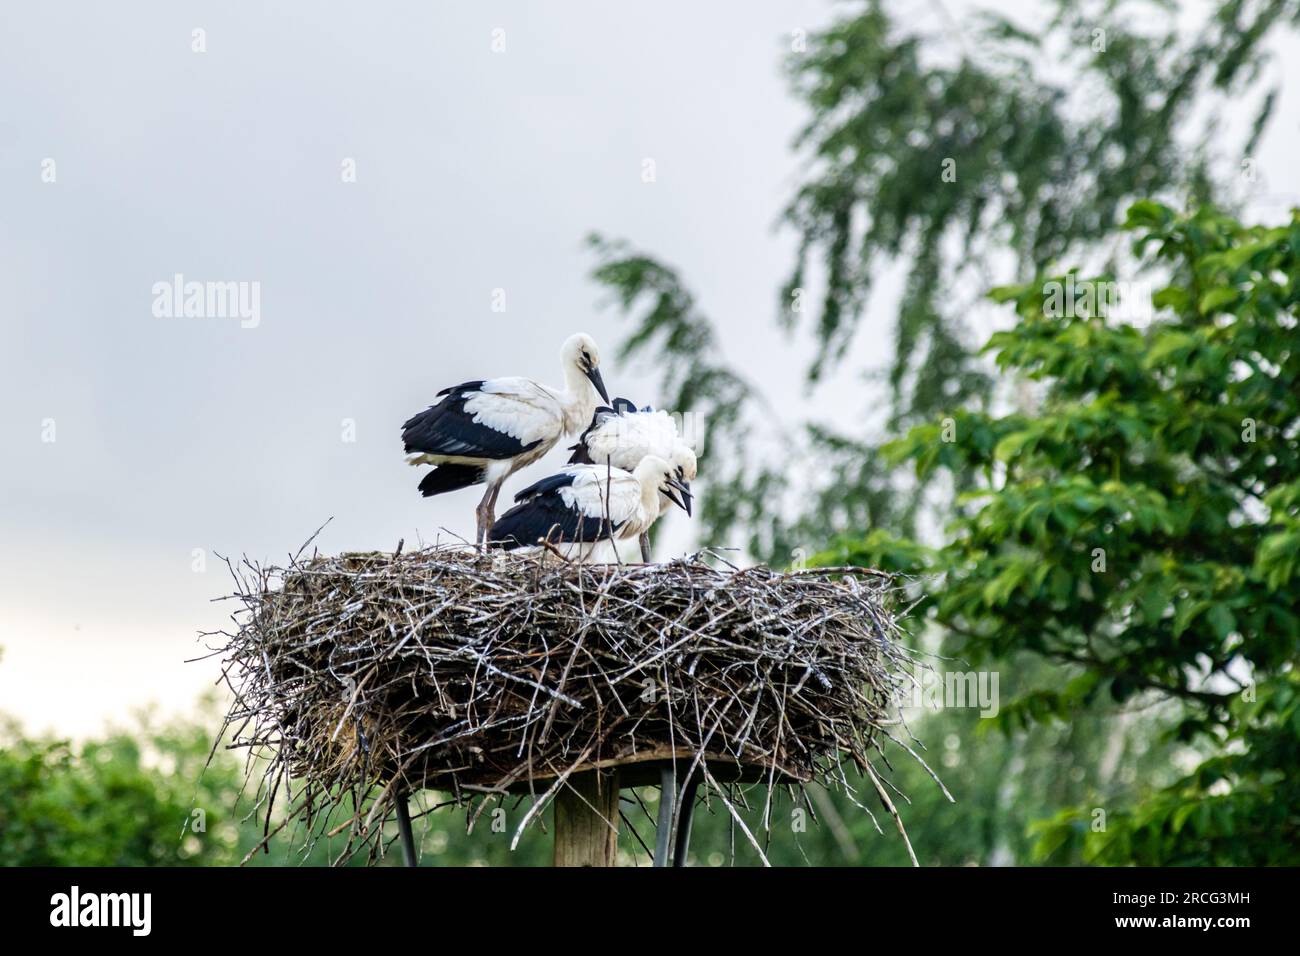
{"x": 586, "y": 819}
{"x": 670, "y": 851}
{"x": 400, "y": 798}
{"x": 587, "y": 816}
{"x": 685, "y": 815}
{"x": 664, "y": 821}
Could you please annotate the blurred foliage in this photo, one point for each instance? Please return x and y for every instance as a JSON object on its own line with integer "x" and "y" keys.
{"x": 1240, "y": 807}
{"x": 1142, "y": 529}
{"x": 145, "y": 795}
{"x": 126, "y": 799}
{"x": 1049, "y": 130}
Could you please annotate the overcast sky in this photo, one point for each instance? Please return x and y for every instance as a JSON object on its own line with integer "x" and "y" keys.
{"x": 137, "y": 446}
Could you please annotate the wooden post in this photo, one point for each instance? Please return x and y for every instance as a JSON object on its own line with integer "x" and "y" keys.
{"x": 584, "y": 811}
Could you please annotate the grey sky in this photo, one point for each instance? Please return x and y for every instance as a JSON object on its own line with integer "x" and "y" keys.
{"x": 475, "y": 171}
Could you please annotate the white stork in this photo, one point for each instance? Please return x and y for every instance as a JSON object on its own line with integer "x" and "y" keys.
{"x": 624, "y": 435}
{"x": 586, "y": 510}
{"x": 485, "y": 431}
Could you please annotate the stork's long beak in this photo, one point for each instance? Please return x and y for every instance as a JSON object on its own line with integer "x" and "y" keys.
{"x": 683, "y": 489}
{"x": 599, "y": 383}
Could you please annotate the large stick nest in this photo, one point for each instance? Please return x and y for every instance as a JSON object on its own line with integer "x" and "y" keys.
{"x": 361, "y": 676}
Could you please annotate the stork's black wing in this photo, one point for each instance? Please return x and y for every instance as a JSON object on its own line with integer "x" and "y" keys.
{"x": 546, "y": 486}
{"x": 448, "y": 429}
{"x": 623, "y": 406}
{"x": 542, "y": 515}
{"x": 580, "y": 454}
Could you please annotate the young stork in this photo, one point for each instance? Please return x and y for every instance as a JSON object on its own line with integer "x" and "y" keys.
{"x": 482, "y": 432}
{"x": 583, "y": 514}
{"x": 623, "y": 435}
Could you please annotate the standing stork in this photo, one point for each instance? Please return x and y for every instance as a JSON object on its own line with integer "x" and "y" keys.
{"x": 483, "y": 432}
{"x": 624, "y": 435}
{"x": 586, "y": 510}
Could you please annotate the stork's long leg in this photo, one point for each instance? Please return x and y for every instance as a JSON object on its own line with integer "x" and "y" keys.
{"x": 485, "y": 513}
{"x": 480, "y": 528}
{"x": 684, "y": 820}
{"x": 645, "y": 546}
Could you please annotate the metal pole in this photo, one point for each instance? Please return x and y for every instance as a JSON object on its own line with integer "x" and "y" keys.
{"x": 664, "y": 824}
{"x": 684, "y": 821}
{"x": 404, "y": 828}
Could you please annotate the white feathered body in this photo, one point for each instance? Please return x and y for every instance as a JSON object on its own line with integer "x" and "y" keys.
{"x": 625, "y": 438}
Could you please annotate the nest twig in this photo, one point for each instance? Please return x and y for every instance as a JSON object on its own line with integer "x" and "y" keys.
{"x": 361, "y": 676}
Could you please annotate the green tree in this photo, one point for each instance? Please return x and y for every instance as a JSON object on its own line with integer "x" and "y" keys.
{"x": 148, "y": 795}
{"x": 134, "y": 797}
{"x": 1141, "y": 530}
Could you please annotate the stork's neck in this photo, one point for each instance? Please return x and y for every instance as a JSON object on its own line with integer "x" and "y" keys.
{"x": 650, "y": 496}
{"x": 578, "y": 400}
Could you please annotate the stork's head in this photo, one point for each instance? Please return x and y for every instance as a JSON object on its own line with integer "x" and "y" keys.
{"x": 660, "y": 477}
{"x": 579, "y": 352}
{"x": 684, "y": 467}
